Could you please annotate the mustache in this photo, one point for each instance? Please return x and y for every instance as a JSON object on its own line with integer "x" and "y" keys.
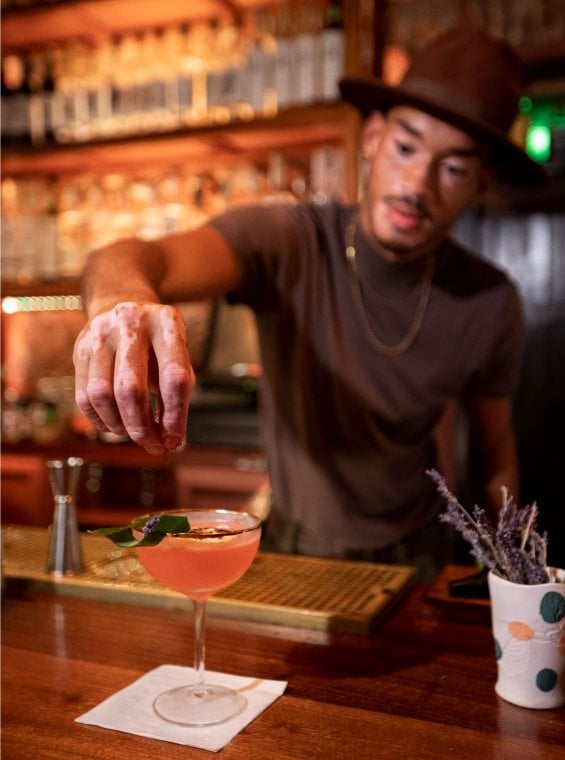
{"x": 413, "y": 201}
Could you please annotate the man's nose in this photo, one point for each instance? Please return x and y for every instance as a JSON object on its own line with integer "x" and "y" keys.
{"x": 420, "y": 178}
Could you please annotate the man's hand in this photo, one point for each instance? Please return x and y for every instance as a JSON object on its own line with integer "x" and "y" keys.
{"x": 133, "y": 374}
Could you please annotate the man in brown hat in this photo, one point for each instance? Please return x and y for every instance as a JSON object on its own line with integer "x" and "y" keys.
{"x": 372, "y": 322}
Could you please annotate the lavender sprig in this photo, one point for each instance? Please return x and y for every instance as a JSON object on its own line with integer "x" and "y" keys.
{"x": 153, "y": 530}
{"x": 512, "y": 549}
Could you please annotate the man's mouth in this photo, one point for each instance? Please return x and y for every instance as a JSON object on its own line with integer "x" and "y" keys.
{"x": 406, "y": 214}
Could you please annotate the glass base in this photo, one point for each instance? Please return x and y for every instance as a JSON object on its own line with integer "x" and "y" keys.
{"x": 203, "y": 705}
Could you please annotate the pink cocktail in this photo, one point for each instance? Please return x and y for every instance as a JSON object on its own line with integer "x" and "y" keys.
{"x": 205, "y": 560}
{"x": 218, "y": 549}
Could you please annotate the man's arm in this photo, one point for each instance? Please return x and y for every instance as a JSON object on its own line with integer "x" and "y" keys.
{"x": 445, "y": 440}
{"x": 494, "y": 443}
{"x": 184, "y": 267}
{"x": 134, "y": 347}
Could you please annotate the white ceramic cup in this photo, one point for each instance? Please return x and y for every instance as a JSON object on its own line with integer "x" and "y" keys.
{"x": 528, "y": 625}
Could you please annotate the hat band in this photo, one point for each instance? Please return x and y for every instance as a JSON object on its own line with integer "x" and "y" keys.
{"x": 455, "y": 102}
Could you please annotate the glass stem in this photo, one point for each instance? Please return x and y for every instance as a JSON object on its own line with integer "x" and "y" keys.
{"x": 199, "y": 642}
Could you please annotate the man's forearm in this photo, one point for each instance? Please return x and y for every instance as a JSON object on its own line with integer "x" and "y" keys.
{"x": 128, "y": 270}
{"x": 494, "y": 450}
{"x": 507, "y": 477}
{"x": 500, "y": 469}
{"x": 188, "y": 266}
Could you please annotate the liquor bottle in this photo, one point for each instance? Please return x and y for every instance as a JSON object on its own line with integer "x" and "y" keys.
{"x": 127, "y": 85}
{"x": 9, "y": 228}
{"x": 331, "y": 51}
{"x": 7, "y": 110}
{"x": 27, "y": 228}
{"x": 76, "y": 66}
{"x": 228, "y": 55}
{"x": 171, "y": 62}
{"x": 151, "y": 110}
{"x": 42, "y": 89}
{"x": 185, "y": 71}
{"x": 283, "y": 57}
{"x": 198, "y": 46}
{"x": 226, "y": 73}
{"x": 142, "y": 202}
{"x": 71, "y": 228}
{"x": 173, "y": 202}
{"x": 55, "y": 92}
{"x": 100, "y": 91}
{"x": 37, "y": 105}
{"x": 48, "y": 95}
{"x": 305, "y": 53}
{"x": 15, "y": 98}
{"x": 217, "y": 66}
{"x": 260, "y": 64}
{"x": 45, "y": 238}
{"x": 270, "y": 99}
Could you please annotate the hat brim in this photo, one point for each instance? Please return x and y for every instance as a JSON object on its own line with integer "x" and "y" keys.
{"x": 512, "y": 164}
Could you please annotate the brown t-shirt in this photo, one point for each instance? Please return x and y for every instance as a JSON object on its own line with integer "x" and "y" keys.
{"x": 347, "y": 430}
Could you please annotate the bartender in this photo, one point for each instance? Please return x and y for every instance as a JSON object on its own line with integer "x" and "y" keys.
{"x": 372, "y": 321}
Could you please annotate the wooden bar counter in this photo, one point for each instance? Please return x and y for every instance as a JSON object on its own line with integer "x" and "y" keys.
{"x": 420, "y": 686}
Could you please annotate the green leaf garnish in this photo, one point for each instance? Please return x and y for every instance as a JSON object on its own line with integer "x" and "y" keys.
{"x": 154, "y": 530}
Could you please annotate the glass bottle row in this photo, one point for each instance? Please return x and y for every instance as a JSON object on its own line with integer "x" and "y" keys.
{"x": 284, "y": 55}
{"x": 49, "y": 225}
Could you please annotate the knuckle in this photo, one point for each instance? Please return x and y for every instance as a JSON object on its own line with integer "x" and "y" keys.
{"x": 129, "y": 314}
{"x": 129, "y": 393}
{"x": 166, "y": 321}
{"x": 177, "y": 380}
{"x": 98, "y": 392}
{"x": 99, "y": 326}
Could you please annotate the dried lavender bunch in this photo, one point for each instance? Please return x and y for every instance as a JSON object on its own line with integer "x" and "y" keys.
{"x": 512, "y": 549}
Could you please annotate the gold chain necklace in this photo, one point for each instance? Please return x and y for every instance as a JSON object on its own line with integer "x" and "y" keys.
{"x": 354, "y": 279}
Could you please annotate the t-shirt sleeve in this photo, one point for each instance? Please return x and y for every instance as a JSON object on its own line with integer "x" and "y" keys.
{"x": 266, "y": 240}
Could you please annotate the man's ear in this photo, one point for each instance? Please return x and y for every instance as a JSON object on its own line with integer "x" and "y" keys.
{"x": 371, "y": 134}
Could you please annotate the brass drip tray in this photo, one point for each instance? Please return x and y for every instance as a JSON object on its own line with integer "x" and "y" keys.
{"x": 322, "y": 594}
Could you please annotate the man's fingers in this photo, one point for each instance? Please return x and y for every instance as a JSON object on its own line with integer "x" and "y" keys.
{"x": 131, "y": 376}
{"x": 175, "y": 374}
{"x": 94, "y": 371}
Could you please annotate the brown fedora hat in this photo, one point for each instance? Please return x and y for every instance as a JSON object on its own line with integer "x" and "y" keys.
{"x": 469, "y": 80}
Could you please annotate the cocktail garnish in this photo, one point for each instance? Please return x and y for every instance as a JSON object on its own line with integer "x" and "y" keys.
{"x": 154, "y": 530}
{"x": 212, "y": 532}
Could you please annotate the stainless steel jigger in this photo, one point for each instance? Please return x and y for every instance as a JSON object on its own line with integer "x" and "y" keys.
{"x": 65, "y": 553}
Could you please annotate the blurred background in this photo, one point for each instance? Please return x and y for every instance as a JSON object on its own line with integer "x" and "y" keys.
{"x": 131, "y": 117}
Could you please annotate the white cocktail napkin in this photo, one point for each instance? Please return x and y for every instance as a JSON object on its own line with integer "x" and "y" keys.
{"x": 131, "y": 709}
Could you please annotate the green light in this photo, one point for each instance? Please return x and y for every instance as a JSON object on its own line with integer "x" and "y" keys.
{"x": 538, "y": 142}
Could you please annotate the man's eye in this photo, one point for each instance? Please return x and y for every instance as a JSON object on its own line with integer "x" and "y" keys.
{"x": 455, "y": 170}
{"x": 405, "y": 149}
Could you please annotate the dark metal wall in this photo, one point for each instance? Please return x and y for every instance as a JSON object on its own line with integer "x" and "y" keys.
{"x": 531, "y": 248}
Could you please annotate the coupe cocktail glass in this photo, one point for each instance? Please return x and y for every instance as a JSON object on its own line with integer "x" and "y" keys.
{"x": 218, "y": 549}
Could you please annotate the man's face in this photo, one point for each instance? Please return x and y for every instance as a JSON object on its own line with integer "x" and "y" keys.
{"x": 423, "y": 174}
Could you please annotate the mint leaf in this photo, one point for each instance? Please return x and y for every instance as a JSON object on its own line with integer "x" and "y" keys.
{"x": 120, "y": 536}
{"x": 170, "y": 524}
{"x": 154, "y": 530}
